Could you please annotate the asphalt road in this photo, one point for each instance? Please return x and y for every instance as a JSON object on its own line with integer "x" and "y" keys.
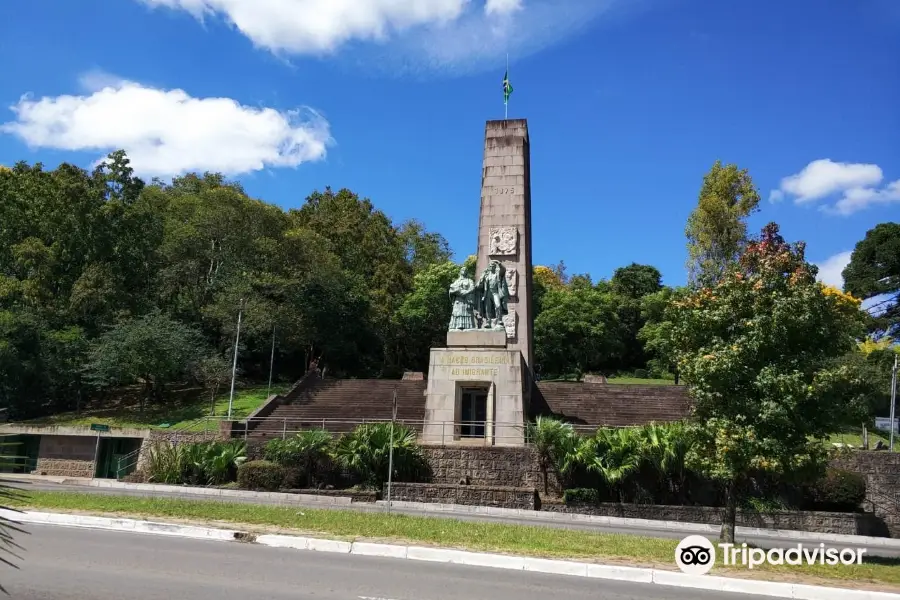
{"x": 62, "y": 563}
{"x": 762, "y": 542}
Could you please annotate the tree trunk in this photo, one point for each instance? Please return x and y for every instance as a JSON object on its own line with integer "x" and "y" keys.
{"x": 729, "y": 515}
{"x": 544, "y": 473}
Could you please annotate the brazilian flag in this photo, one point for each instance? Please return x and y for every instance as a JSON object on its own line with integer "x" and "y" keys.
{"x": 507, "y": 88}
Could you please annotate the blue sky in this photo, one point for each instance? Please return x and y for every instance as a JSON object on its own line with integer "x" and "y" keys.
{"x": 629, "y": 102}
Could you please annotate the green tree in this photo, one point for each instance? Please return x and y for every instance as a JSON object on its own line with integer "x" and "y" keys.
{"x": 755, "y": 350}
{"x": 153, "y": 350}
{"x": 631, "y": 284}
{"x": 423, "y": 248}
{"x": 421, "y": 320}
{"x": 655, "y": 334}
{"x": 874, "y": 270}
{"x": 636, "y": 281}
{"x": 577, "y": 330}
{"x": 716, "y": 230}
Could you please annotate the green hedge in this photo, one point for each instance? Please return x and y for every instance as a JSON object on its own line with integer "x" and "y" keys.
{"x": 260, "y": 475}
{"x": 839, "y": 490}
{"x": 581, "y": 496}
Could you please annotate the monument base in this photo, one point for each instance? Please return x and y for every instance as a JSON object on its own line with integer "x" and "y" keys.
{"x": 476, "y": 396}
{"x": 477, "y": 338}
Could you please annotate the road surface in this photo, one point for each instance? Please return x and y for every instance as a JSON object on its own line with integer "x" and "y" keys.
{"x": 762, "y": 542}
{"x": 81, "y": 564}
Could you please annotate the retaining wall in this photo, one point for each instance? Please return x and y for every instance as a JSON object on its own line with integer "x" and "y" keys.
{"x": 817, "y": 522}
{"x": 882, "y": 472}
{"x": 471, "y": 495}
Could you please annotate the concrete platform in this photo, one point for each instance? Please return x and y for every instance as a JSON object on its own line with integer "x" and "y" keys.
{"x": 477, "y": 338}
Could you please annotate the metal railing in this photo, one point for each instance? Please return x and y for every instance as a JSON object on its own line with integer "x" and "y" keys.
{"x": 468, "y": 433}
{"x": 427, "y": 432}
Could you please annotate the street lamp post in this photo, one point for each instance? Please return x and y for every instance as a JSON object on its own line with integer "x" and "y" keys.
{"x": 237, "y": 338}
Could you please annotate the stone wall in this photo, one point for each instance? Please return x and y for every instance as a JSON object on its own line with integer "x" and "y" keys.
{"x": 66, "y": 456}
{"x": 470, "y": 495}
{"x": 882, "y": 472}
{"x": 487, "y": 466}
{"x": 816, "y": 522}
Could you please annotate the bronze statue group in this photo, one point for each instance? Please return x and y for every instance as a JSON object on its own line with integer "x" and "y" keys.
{"x": 480, "y": 305}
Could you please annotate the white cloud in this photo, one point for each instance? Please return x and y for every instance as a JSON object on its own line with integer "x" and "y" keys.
{"x": 831, "y": 268}
{"x": 501, "y": 7}
{"x": 459, "y": 35}
{"x": 856, "y": 182}
{"x": 168, "y": 132}
{"x": 858, "y": 199}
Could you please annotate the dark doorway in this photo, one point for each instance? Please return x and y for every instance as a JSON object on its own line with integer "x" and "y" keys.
{"x": 111, "y": 450}
{"x": 473, "y": 411}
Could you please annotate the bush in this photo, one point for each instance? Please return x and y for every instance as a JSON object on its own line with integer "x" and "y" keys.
{"x": 260, "y": 475}
{"x": 365, "y": 451}
{"x": 581, "y": 496}
{"x": 204, "y": 463}
{"x": 641, "y": 374}
{"x": 294, "y": 478}
{"x": 308, "y": 453}
{"x": 839, "y": 490}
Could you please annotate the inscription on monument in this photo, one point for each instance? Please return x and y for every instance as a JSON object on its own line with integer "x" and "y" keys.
{"x": 480, "y": 372}
{"x": 504, "y": 241}
{"x": 473, "y": 359}
{"x": 503, "y": 191}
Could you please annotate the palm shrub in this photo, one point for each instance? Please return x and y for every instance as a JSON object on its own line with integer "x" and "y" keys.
{"x": 308, "y": 452}
{"x": 165, "y": 463}
{"x": 613, "y": 454}
{"x": 365, "y": 453}
{"x": 664, "y": 448}
{"x": 553, "y": 442}
{"x": 205, "y": 463}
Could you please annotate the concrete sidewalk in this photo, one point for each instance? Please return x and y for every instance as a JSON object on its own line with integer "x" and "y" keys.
{"x": 675, "y": 529}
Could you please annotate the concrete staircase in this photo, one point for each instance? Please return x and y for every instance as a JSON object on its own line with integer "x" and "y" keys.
{"x": 594, "y": 405}
{"x": 339, "y": 405}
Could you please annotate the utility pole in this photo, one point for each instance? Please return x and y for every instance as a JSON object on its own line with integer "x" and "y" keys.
{"x": 237, "y": 339}
{"x": 391, "y": 451}
{"x": 271, "y": 363}
{"x": 893, "y": 398}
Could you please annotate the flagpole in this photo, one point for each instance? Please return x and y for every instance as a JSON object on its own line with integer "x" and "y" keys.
{"x": 505, "y": 97}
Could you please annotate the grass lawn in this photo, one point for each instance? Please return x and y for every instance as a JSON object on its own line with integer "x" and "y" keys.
{"x": 636, "y": 381}
{"x": 853, "y": 436}
{"x": 179, "y": 414}
{"x": 624, "y": 380}
{"x": 491, "y": 537}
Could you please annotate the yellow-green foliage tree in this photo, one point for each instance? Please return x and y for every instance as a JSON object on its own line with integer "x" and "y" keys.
{"x": 756, "y": 350}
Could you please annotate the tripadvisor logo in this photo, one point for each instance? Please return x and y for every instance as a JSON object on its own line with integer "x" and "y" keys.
{"x": 696, "y": 555}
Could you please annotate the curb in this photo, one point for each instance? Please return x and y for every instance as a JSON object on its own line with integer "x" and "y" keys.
{"x": 461, "y": 557}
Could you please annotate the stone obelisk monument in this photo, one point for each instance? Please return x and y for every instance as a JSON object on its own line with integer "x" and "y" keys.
{"x": 479, "y": 385}
{"x": 504, "y": 227}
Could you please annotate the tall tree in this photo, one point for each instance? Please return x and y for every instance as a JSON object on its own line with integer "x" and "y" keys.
{"x": 631, "y": 284}
{"x": 577, "y": 329}
{"x": 717, "y": 230}
{"x": 874, "y": 270}
{"x": 636, "y": 281}
{"x": 756, "y": 351}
